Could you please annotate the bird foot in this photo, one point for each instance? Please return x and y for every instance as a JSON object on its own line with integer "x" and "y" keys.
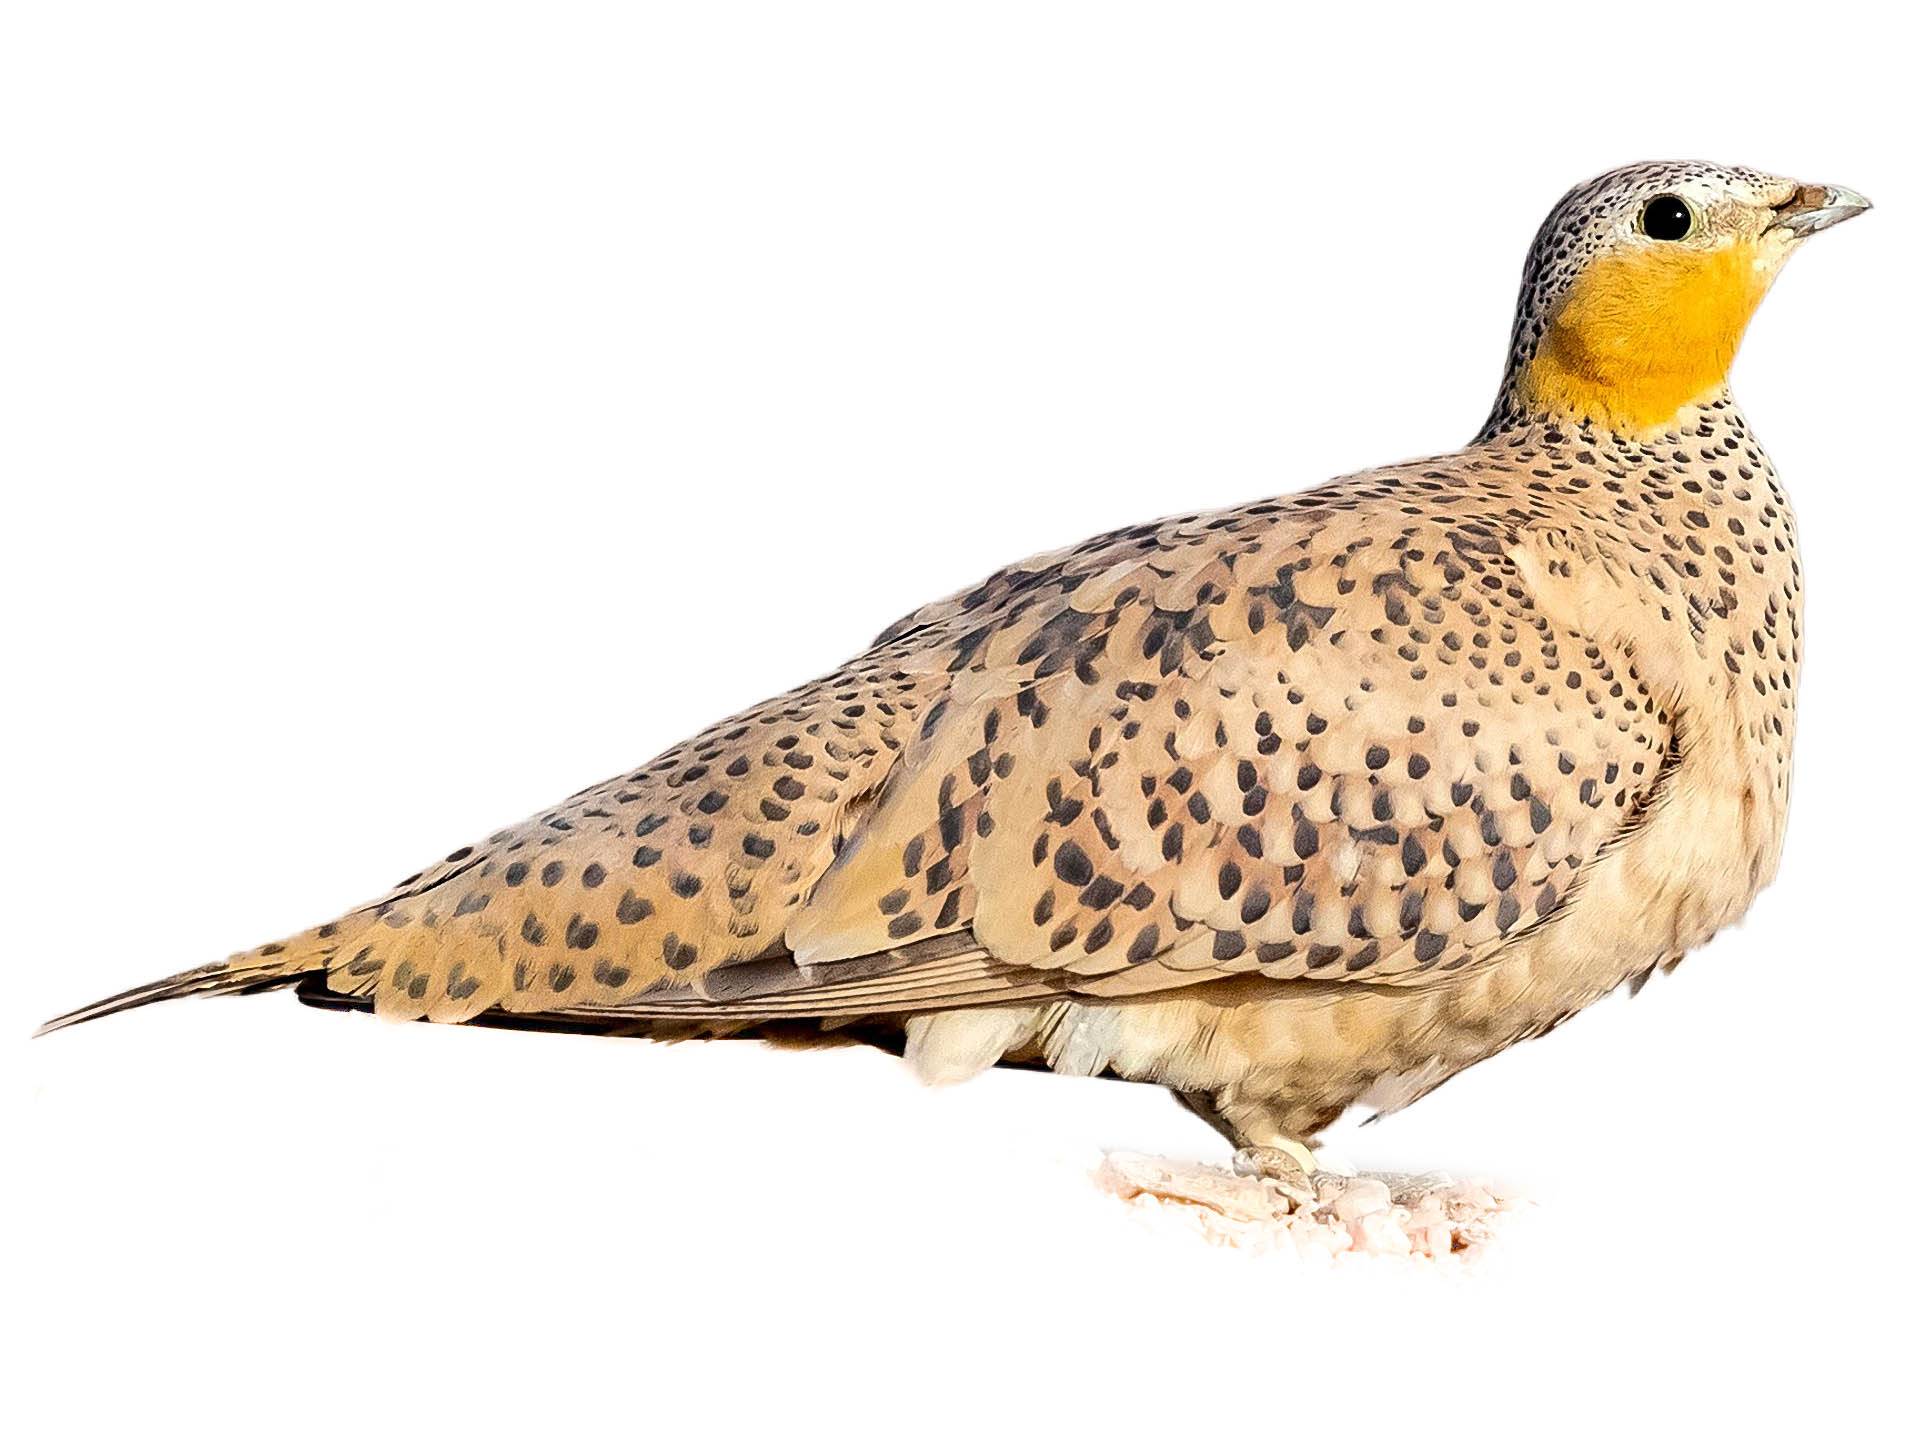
{"x": 1288, "y": 1166}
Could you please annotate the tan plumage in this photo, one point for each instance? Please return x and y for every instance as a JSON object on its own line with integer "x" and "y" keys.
{"x": 1310, "y": 801}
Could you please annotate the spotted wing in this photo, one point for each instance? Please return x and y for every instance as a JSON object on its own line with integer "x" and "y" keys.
{"x": 1335, "y": 749}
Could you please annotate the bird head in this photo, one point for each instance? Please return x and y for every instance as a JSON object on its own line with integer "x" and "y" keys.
{"x": 1641, "y": 282}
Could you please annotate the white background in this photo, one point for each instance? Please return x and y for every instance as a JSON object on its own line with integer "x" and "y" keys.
{"x": 415, "y": 413}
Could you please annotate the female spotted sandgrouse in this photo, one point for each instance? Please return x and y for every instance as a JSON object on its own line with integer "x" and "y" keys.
{"x": 1313, "y": 801}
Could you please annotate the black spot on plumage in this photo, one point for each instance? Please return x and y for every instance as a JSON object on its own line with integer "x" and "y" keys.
{"x": 1306, "y": 838}
{"x": 1062, "y": 809}
{"x": 1071, "y": 863}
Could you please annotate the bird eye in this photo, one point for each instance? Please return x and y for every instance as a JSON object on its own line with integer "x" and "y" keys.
{"x": 1666, "y": 217}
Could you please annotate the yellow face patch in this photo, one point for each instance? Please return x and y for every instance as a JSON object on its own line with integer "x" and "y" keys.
{"x": 1643, "y": 333}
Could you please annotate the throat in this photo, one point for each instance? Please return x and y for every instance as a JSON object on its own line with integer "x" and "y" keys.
{"x": 1630, "y": 399}
{"x": 1640, "y": 339}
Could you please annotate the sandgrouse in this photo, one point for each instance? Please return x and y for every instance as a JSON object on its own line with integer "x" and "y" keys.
{"x": 1299, "y": 804}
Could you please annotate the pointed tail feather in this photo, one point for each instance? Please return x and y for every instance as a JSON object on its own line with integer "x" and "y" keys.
{"x": 265, "y": 968}
{"x": 216, "y": 979}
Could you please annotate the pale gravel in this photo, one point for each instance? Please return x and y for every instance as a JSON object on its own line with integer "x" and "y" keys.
{"x": 1423, "y": 1219}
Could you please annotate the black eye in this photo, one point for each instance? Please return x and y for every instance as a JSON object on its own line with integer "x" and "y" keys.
{"x": 1666, "y": 218}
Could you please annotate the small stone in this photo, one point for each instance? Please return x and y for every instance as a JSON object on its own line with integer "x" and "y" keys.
{"x": 1380, "y": 1233}
{"x": 1429, "y": 1230}
{"x": 1356, "y": 1216}
{"x": 1360, "y": 1198}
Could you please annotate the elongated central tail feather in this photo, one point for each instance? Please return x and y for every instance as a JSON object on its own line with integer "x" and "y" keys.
{"x": 265, "y": 968}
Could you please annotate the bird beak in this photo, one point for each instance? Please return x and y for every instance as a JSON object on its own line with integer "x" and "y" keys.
{"x": 1813, "y": 207}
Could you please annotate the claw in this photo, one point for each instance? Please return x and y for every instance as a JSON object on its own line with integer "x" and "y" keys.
{"x": 1288, "y": 1166}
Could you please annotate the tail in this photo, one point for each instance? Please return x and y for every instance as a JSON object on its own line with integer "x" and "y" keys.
{"x": 216, "y": 979}
{"x": 266, "y": 968}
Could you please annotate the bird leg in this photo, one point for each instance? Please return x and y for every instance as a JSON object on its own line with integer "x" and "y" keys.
{"x": 1262, "y": 1149}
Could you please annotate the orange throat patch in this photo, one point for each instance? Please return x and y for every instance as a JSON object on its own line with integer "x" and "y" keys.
{"x": 1643, "y": 335}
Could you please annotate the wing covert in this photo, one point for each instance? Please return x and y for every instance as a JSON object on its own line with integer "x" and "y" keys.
{"x": 1332, "y": 750}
